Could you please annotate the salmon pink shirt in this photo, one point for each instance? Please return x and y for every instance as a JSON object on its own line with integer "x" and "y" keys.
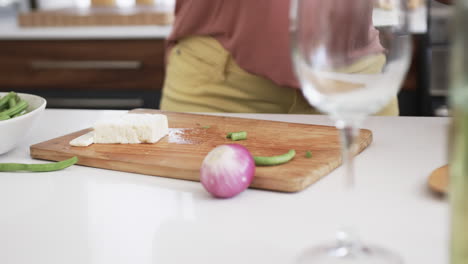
{"x": 255, "y": 32}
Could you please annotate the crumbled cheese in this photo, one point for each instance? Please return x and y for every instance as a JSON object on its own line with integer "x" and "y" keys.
{"x": 130, "y": 129}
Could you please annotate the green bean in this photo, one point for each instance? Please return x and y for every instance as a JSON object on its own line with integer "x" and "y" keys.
{"x": 274, "y": 160}
{"x": 20, "y": 106}
{"x": 20, "y": 114}
{"x": 234, "y": 136}
{"x": 5, "y": 99}
{"x": 54, "y": 166}
{"x": 308, "y": 154}
{"x": 12, "y": 102}
{"x": 11, "y": 105}
{"x": 4, "y": 117}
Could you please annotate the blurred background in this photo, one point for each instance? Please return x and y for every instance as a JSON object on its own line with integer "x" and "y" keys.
{"x": 109, "y": 54}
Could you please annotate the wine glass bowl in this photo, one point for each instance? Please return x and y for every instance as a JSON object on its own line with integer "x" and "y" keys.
{"x": 347, "y": 66}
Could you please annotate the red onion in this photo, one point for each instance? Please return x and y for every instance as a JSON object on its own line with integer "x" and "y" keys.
{"x": 227, "y": 170}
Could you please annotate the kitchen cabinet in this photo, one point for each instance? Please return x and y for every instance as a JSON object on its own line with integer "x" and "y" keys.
{"x": 85, "y": 68}
{"x": 118, "y": 67}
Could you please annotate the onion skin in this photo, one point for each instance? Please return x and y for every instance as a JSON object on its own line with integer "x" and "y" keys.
{"x": 227, "y": 170}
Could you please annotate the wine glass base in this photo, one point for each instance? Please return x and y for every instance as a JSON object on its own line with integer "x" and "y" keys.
{"x": 349, "y": 255}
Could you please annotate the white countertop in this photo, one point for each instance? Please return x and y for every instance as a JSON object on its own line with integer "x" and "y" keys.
{"x": 87, "y": 215}
{"x": 9, "y": 29}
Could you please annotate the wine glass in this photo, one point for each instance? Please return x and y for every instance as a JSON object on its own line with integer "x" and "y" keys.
{"x": 350, "y": 58}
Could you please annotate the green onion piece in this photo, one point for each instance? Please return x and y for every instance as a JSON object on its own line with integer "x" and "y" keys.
{"x": 206, "y": 127}
{"x": 308, "y": 154}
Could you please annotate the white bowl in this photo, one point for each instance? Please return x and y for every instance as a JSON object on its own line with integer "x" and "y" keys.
{"x": 12, "y": 131}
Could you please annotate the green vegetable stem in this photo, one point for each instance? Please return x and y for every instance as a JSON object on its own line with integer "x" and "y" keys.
{"x": 274, "y": 160}
{"x": 54, "y": 166}
{"x": 235, "y": 136}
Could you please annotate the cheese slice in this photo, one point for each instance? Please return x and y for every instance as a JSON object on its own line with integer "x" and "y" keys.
{"x": 83, "y": 140}
{"x": 131, "y": 129}
{"x": 126, "y": 129}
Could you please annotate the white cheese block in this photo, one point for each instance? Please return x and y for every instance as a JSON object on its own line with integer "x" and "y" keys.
{"x": 83, "y": 140}
{"x": 131, "y": 129}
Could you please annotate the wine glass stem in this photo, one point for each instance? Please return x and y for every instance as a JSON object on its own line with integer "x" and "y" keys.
{"x": 349, "y": 132}
{"x": 346, "y": 235}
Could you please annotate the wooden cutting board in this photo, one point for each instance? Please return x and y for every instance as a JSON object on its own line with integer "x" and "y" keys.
{"x": 192, "y": 136}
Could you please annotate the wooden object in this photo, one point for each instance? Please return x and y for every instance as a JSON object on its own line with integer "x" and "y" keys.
{"x": 180, "y": 154}
{"x": 145, "y": 2}
{"x": 439, "y": 180}
{"x": 96, "y": 3}
{"x": 96, "y": 16}
{"x": 69, "y": 65}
